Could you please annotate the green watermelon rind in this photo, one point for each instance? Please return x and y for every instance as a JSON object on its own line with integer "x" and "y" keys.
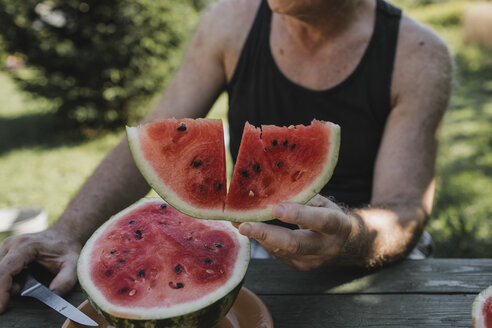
{"x": 263, "y": 214}
{"x": 203, "y": 309}
{"x": 477, "y": 316}
{"x": 159, "y": 186}
{"x": 309, "y": 192}
{"x": 206, "y": 317}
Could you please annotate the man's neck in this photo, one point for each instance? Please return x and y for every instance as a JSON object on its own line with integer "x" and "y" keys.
{"x": 314, "y": 29}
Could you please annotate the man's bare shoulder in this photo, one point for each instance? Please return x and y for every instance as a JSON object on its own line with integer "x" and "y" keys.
{"x": 228, "y": 21}
{"x": 422, "y": 60}
{"x": 223, "y": 30}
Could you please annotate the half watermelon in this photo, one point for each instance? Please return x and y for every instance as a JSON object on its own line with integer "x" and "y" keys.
{"x": 186, "y": 166}
{"x": 152, "y": 266}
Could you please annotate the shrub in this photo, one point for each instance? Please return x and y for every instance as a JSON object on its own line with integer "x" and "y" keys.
{"x": 96, "y": 59}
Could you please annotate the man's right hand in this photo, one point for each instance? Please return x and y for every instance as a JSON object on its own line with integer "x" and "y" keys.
{"x": 50, "y": 249}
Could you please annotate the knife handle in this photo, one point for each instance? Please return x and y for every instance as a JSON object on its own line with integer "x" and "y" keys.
{"x": 38, "y": 271}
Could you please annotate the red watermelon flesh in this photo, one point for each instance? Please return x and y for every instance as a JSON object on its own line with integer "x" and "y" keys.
{"x": 278, "y": 164}
{"x": 186, "y": 159}
{"x": 156, "y": 256}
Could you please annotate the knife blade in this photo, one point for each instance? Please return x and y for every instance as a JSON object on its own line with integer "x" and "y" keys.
{"x": 34, "y": 288}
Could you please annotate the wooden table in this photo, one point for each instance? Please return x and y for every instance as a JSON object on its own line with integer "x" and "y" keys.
{"x": 423, "y": 293}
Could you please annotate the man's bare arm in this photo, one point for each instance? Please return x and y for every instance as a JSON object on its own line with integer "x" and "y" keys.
{"x": 404, "y": 176}
{"x": 116, "y": 182}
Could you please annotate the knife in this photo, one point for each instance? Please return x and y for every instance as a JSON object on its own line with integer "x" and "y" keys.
{"x": 34, "y": 288}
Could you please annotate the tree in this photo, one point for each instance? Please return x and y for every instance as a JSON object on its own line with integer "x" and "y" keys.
{"x": 96, "y": 59}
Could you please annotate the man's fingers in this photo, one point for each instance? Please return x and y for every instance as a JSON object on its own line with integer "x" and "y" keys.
{"x": 277, "y": 239}
{"x": 65, "y": 279}
{"x": 321, "y": 219}
{"x": 10, "y": 265}
{"x": 15, "y": 289}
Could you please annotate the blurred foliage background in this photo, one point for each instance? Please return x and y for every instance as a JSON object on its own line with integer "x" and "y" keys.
{"x": 95, "y": 60}
{"x": 74, "y": 72}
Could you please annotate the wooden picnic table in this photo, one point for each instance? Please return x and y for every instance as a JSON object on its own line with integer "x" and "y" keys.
{"x": 412, "y": 293}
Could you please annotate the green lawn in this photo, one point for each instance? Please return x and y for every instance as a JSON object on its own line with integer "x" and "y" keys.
{"x": 40, "y": 165}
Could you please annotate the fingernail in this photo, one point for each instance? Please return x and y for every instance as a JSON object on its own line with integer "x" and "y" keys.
{"x": 278, "y": 211}
{"x": 245, "y": 229}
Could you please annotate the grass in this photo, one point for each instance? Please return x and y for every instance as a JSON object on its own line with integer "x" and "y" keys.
{"x": 39, "y": 165}
{"x": 461, "y": 222}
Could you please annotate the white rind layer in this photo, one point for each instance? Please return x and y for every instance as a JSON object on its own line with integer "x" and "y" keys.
{"x": 263, "y": 214}
{"x": 478, "y": 303}
{"x": 83, "y": 273}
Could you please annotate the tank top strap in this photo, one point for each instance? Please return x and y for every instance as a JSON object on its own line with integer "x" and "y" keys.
{"x": 381, "y": 64}
{"x": 257, "y": 42}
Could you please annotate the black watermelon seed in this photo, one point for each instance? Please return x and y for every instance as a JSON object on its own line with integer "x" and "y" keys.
{"x": 245, "y": 173}
{"x": 113, "y": 251}
{"x": 196, "y": 163}
{"x": 163, "y": 205}
{"x": 201, "y": 188}
{"x": 219, "y": 187}
{"x": 257, "y": 168}
{"x": 141, "y": 273}
{"x": 217, "y": 245}
{"x": 285, "y": 143}
{"x": 177, "y": 285}
{"x": 124, "y": 290}
{"x": 131, "y": 222}
{"x": 178, "y": 269}
{"x": 207, "y": 248}
{"x": 280, "y": 164}
{"x": 274, "y": 143}
{"x": 182, "y": 127}
{"x": 293, "y": 146}
{"x": 122, "y": 260}
{"x": 109, "y": 273}
{"x": 207, "y": 261}
{"x": 138, "y": 234}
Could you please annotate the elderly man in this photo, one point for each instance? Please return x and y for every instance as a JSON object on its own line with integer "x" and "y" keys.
{"x": 359, "y": 63}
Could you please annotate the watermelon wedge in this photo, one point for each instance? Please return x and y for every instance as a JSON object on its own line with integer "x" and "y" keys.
{"x": 275, "y": 164}
{"x": 184, "y": 161}
{"x": 152, "y": 266}
{"x": 280, "y": 164}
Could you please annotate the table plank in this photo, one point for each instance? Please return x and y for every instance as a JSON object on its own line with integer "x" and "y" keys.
{"x": 465, "y": 276}
{"x": 379, "y": 310}
{"x": 425, "y": 293}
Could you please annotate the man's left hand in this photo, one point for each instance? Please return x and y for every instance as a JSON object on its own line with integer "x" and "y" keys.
{"x": 323, "y": 230}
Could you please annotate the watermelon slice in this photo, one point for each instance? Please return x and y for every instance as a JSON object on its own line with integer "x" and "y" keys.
{"x": 152, "y": 266}
{"x": 280, "y": 164}
{"x": 184, "y": 161}
{"x": 274, "y": 165}
{"x": 482, "y": 309}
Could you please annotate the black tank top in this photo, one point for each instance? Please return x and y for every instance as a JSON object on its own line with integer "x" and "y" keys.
{"x": 260, "y": 94}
